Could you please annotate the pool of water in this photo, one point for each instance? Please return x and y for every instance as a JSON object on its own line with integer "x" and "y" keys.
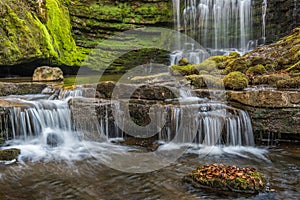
{"x": 69, "y": 80}
{"x": 89, "y": 178}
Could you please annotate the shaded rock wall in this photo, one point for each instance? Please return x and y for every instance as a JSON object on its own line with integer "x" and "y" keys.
{"x": 282, "y": 16}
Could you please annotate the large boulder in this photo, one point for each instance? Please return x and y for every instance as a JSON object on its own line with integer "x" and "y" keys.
{"x": 46, "y": 73}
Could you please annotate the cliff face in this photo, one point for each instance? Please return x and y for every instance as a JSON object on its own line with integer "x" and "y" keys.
{"x": 93, "y": 20}
{"x": 35, "y": 30}
{"x": 282, "y": 16}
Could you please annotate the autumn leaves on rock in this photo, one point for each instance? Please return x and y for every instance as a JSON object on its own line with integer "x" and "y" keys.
{"x": 227, "y": 178}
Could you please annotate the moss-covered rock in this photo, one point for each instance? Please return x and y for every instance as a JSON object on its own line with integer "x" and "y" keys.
{"x": 289, "y": 83}
{"x": 9, "y": 154}
{"x": 227, "y": 178}
{"x": 270, "y": 79}
{"x": 258, "y": 69}
{"x": 205, "y": 81}
{"x": 236, "y": 81}
{"x": 183, "y": 70}
{"x": 183, "y": 62}
{"x": 239, "y": 64}
{"x": 285, "y": 53}
{"x": 96, "y": 20}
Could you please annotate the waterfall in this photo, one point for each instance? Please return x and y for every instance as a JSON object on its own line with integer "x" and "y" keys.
{"x": 264, "y": 13}
{"x": 208, "y": 124}
{"x": 199, "y": 121}
{"x": 219, "y": 26}
{"x": 39, "y": 115}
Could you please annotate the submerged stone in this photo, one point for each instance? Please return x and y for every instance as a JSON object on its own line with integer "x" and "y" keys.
{"x": 54, "y": 140}
{"x": 218, "y": 177}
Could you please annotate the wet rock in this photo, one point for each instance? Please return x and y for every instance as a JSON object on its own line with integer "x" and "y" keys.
{"x": 54, "y": 140}
{"x": 9, "y": 154}
{"x": 150, "y": 144}
{"x": 21, "y": 88}
{"x": 265, "y": 98}
{"x": 218, "y": 177}
{"x": 106, "y": 88}
{"x": 46, "y": 73}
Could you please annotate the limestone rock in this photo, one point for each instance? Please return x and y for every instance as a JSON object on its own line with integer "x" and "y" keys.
{"x": 46, "y": 73}
{"x": 21, "y": 88}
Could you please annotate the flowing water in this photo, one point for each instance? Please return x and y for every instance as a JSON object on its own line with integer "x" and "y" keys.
{"x": 58, "y": 162}
{"x": 220, "y": 26}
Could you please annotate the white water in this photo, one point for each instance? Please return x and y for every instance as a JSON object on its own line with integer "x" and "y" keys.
{"x": 204, "y": 124}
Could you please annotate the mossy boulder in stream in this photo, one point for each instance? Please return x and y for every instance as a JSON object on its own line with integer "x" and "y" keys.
{"x": 9, "y": 154}
{"x": 218, "y": 177}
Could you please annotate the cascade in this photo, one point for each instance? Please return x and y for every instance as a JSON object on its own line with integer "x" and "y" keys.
{"x": 208, "y": 124}
{"x": 199, "y": 121}
{"x": 219, "y": 26}
{"x": 39, "y": 115}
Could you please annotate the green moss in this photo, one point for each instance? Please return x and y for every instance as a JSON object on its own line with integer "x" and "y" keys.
{"x": 213, "y": 63}
{"x": 240, "y": 64}
{"x": 183, "y": 62}
{"x": 234, "y": 54}
{"x": 235, "y": 81}
{"x": 183, "y": 70}
{"x": 9, "y": 154}
{"x": 290, "y": 83}
{"x": 59, "y": 27}
{"x": 256, "y": 70}
{"x": 270, "y": 79}
{"x": 295, "y": 68}
{"x": 205, "y": 81}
